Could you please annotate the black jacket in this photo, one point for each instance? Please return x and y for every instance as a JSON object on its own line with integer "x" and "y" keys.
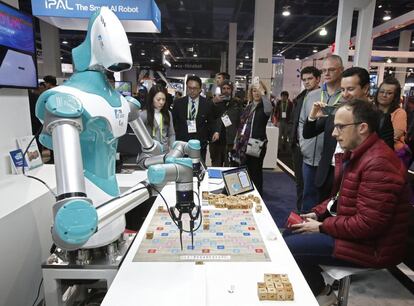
{"x": 260, "y": 123}
{"x": 232, "y": 109}
{"x": 297, "y": 106}
{"x": 205, "y": 121}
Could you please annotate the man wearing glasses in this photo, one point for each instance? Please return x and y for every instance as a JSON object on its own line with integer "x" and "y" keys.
{"x": 366, "y": 223}
{"x": 311, "y": 148}
{"x": 193, "y": 116}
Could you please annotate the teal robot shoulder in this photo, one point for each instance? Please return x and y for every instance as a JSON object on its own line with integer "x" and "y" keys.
{"x": 56, "y": 104}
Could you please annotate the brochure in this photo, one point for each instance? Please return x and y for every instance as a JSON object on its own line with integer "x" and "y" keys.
{"x": 33, "y": 156}
{"x": 17, "y": 161}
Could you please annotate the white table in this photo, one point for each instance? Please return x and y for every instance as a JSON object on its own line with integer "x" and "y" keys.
{"x": 188, "y": 284}
{"x": 26, "y": 216}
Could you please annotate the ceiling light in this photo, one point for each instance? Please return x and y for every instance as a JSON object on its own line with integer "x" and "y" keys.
{"x": 152, "y": 60}
{"x": 323, "y": 32}
{"x": 142, "y": 52}
{"x": 246, "y": 56}
{"x": 65, "y": 42}
{"x": 387, "y": 16}
{"x": 286, "y": 11}
{"x": 380, "y": 6}
{"x": 389, "y": 61}
{"x": 315, "y": 50}
{"x": 195, "y": 54}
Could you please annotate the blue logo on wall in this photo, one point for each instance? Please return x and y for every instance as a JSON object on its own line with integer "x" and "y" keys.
{"x": 125, "y": 10}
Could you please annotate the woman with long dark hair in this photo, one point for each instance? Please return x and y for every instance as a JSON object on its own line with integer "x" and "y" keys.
{"x": 252, "y": 133}
{"x": 387, "y": 99}
{"x": 157, "y": 118}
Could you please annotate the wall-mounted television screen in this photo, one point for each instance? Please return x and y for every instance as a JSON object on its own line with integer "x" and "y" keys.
{"x": 17, "y": 49}
{"x": 123, "y": 87}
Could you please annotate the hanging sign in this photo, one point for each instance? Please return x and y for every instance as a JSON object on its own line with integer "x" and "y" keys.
{"x": 141, "y": 16}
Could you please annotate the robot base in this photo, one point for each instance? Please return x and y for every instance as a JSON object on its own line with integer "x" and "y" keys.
{"x": 68, "y": 276}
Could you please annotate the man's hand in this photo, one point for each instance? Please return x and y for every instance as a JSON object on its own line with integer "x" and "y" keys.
{"x": 310, "y": 226}
{"x": 316, "y": 111}
{"x": 218, "y": 99}
{"x": 215, "y": 137}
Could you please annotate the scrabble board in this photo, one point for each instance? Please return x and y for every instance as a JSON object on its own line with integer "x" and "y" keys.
{"x": 232, "y": 235}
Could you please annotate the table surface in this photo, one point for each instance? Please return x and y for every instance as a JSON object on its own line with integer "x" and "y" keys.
{"x": 212, "y": 283}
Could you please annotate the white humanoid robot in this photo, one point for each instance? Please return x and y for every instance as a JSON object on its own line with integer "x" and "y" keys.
{"x": 82, "y": 120}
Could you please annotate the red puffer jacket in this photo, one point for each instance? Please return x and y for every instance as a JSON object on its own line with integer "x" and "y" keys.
{"x": 371, "y": 225}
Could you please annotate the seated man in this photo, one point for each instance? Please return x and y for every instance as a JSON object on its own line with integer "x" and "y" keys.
{"x": 365, "y": 224}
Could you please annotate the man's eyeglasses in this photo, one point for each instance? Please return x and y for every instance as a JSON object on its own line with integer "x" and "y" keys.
{"x": 330, "y": 70}
{"x": 340, "y": 127}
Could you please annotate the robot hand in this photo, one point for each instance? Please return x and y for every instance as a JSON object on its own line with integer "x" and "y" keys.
{"x": 179, "y": 170}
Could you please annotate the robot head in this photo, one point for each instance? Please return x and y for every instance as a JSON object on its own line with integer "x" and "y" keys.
{"x": 105, "y": 46}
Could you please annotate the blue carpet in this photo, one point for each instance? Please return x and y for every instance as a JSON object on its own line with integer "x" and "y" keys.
{"x": 279, "y": 194}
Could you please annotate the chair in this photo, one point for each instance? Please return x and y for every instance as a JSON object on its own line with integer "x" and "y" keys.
{"x": 343, "y": 275}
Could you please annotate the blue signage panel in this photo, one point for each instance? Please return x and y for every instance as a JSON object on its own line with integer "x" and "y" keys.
{"x": 124, "y": 9}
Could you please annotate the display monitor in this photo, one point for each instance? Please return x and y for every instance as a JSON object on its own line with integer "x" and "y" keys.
{"x": 123, "y": 87}
{"x": 17, "y": 49}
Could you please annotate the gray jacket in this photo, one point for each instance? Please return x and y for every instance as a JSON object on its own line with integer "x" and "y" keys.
{"x": 312, "y": 148}
{"x": 168, "y": 134}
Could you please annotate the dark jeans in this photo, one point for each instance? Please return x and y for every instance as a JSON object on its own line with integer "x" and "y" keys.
{"x": 310, "y": 192}
{"x": 217, "y": 153}
{"x": 326, "y": 189}
{"x": 310, "y": 251}
{"x": 297, "y": 168}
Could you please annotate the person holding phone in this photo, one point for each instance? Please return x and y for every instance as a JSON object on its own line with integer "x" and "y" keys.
{"x": 227, "y": 113}
{"x": 354, "y": 85}
{"x": 219, "y": 81}
{"x": 252, "y": 129}
{"x": 311, "y": 148}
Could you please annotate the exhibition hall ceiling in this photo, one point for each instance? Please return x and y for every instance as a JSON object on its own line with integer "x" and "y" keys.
{"x": 196, "y": 31}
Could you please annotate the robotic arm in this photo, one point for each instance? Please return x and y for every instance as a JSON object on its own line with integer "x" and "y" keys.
{"x": 180, "y": 171}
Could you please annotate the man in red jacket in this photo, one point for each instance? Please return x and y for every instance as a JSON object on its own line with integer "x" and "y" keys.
{"x": 366, "y": 223}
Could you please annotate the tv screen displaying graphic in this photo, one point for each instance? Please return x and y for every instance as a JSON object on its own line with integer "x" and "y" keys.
{"x": 17, "y": 49}
{"x": 124, "y": 88}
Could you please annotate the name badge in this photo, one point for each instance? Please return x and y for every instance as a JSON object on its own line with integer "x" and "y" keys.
{"x": 283, "y": 115}
{"x": 192, "y": 128}
{"x": 243, "y": 130}
{"x": 226, "y": 120}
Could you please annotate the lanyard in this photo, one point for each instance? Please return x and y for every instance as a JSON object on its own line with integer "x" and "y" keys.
{"x": 160, "y": 127}
{"x": 336, "y": 100}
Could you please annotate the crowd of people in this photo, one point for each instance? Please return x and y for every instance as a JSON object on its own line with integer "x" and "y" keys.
{"x": 349, "y": 154}
{"x": 348, "y": 149}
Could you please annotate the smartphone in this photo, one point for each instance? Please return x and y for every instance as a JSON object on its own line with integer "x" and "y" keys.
{"x": 217, "y": 91}
{"x": 328, "y": 110}
{"x": 256, "y": 80}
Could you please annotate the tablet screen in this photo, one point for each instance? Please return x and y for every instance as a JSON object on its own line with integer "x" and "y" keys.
{"x": 237, "y": 181}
